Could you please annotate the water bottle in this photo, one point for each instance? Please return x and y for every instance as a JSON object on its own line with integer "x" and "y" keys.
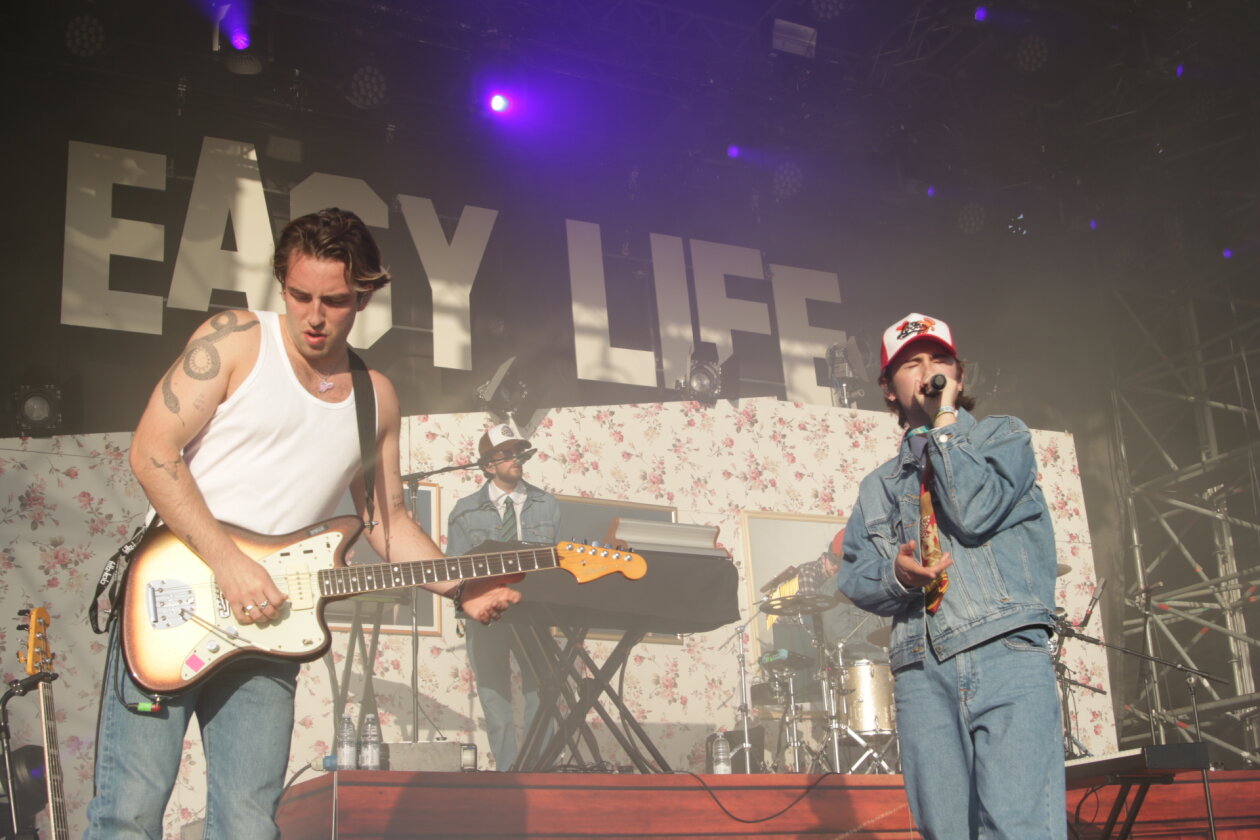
{"x": 370, "y": 745}
{"x": 721, "y": 754}
{"x": 347, "y": 744}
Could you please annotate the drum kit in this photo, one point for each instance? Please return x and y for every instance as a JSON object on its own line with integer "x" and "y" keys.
{"x": 855, "y": 729}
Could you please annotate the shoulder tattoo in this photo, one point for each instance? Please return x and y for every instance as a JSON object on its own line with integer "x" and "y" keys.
{"x": 201, "y": 360}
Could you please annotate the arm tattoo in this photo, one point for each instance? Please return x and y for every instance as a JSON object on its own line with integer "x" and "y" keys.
{"x": 201, "y": 360}
{"x": 171, "y": 469}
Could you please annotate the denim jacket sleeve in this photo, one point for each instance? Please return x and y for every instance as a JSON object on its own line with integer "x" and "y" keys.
{"x": 866, "y": 574}
{"x": 983, "y": 473}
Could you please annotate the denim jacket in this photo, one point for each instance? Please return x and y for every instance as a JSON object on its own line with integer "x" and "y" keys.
{"x": 993, "y": 521}
{"x": 474, "y": 519}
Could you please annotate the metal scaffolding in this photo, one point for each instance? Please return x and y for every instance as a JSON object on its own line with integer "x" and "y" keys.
{"x": 1188, "y": 447}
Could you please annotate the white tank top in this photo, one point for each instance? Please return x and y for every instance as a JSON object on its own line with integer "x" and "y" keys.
{"x": 274, "y": 458}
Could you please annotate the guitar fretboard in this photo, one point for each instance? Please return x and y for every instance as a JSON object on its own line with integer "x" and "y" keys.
{"x": 352, "y": 580}
{"x": 58, "y": 825}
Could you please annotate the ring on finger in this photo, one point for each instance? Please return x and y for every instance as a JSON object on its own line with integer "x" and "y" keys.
{"x": 248, "y": 607}
{"x": 262, "y": 605}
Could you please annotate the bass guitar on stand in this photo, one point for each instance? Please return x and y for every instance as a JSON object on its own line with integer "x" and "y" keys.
{"x": 38, "y": 658}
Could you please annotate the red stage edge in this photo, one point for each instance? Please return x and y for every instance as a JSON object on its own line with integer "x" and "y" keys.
{"x": 365, "y": 805}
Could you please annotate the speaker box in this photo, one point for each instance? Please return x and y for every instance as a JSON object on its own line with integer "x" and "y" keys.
{"x": 756, "y": 737}
{"x": 435, "y": 756}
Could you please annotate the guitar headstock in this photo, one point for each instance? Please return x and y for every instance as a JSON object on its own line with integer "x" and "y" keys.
{"x": 38, "y": 655}
{"x": 588, "y": 562}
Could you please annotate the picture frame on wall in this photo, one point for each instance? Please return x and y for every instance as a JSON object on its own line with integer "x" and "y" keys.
{"x": 398, "y": 611}
{"x": 774, "y": 543}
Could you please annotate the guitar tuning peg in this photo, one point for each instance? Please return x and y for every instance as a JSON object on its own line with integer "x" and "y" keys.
{"x": 23, "y": 627}
{"x": 24, "y": 612}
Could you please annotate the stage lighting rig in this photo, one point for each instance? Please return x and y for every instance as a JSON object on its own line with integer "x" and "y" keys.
{"x": 37, "y": 410}
{"x": 708, "y": 380}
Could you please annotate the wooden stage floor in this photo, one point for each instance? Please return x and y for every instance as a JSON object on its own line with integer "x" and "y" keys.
{"x": 362, "y": 805}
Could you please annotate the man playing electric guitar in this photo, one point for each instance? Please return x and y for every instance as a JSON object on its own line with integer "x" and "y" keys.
{"x": 255, "y": 425}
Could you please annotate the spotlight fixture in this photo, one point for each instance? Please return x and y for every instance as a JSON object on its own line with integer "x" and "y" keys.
{"x": 794, "y": 38}
{"x": 787, "y": 181}
{"x": 85, "y": 36}
{"x": 505, "y": 395}
{"x": 241, "y": 56}
{"x": 704, "y": 375}
{"x": 825, "y": 10}
{"x": 1032, "y": 53}
{"x": 368, "y": 86}
{"x": 37, "y": 410}
{"x": 1018, "y": 225}
{"x": 971, "y": 218}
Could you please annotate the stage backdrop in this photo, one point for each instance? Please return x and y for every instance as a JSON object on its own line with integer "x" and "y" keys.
{"x": 67, "y": 503}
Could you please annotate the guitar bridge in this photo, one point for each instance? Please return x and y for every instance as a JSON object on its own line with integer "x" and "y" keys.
{"x": 169, "y": 601}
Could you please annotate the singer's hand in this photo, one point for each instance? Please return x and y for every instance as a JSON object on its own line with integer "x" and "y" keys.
{"x": 911, "y": 573}
{"x": 937, "y": 393}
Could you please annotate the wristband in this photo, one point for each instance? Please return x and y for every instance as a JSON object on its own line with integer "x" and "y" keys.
{"x": 945, "y": 409}
{"x": 457, "y": 596}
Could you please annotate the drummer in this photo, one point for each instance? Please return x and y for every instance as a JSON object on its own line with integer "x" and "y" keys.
{"x": 797, "y": 633}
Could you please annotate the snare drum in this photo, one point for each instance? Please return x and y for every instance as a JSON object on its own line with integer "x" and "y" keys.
{"x": 867, "y": 705}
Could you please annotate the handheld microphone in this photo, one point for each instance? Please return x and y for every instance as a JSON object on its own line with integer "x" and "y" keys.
{"x": 1093, "y": 602}
{"x": 936, "y": 384}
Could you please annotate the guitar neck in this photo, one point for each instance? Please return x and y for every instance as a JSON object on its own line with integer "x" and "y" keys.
{"x": 377, "y": 577}
{"x": 59, "y": 827}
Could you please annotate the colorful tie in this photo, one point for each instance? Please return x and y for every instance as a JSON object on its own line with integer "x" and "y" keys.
{"x": 930, "y": 543}
{"x": 507, "y": 529}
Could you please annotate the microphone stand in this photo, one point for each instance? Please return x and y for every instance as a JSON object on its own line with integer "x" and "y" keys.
{"x": 1192, "y": 674}
{"x": 412, "y": 482}
{"x": 745, "y": 701}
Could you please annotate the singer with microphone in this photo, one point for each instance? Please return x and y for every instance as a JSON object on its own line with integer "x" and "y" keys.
{"x": 505, "y": 509}
{"x": 952, "y": 539}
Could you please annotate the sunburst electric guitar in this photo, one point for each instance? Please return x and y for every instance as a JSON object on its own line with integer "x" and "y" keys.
{"x": 178, "y": 629}
{"x": 39, "y": 658}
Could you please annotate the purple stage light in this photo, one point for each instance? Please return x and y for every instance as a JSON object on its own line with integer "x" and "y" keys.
{"x": 1093, "y": 224}
{"x": 982, "y": 14}
{"x": 931, "y": 191}
{"x": 732, "y": 151}
{"x": 500, "y": 103}
{"x": 1228, "y": 253}
{"x": 240, "y": 39}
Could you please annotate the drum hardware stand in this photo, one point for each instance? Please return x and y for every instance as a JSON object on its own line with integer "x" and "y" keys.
{"x": 790, "y": 721}
{"x": 834, "y": 687}
{"x": 745, "y": 700}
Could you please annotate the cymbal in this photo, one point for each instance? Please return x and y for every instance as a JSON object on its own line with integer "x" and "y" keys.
{"x": 800, "y": 604}
{"x": 880, "y": 636}
{"x": 1064, "y": 568}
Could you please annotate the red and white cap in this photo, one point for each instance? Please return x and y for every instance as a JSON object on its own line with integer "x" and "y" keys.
{"x": 497, "y": 436}
{"x": 910, "y": 328}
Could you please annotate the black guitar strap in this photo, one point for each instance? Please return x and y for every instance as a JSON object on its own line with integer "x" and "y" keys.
{"x": 365, "y": 408}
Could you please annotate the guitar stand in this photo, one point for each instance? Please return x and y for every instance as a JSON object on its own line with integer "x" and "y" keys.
{"x": 17, "y": 688}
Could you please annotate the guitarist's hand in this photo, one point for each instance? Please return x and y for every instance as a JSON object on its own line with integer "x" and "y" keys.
{"x": 245, "y": 583}
{"x": 486, "y": 599}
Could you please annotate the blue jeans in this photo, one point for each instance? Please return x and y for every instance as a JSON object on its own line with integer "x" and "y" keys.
{"x": 245, "y": 712}
{"x": 489, "y": 651}
{"x": 982, "y": 742}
